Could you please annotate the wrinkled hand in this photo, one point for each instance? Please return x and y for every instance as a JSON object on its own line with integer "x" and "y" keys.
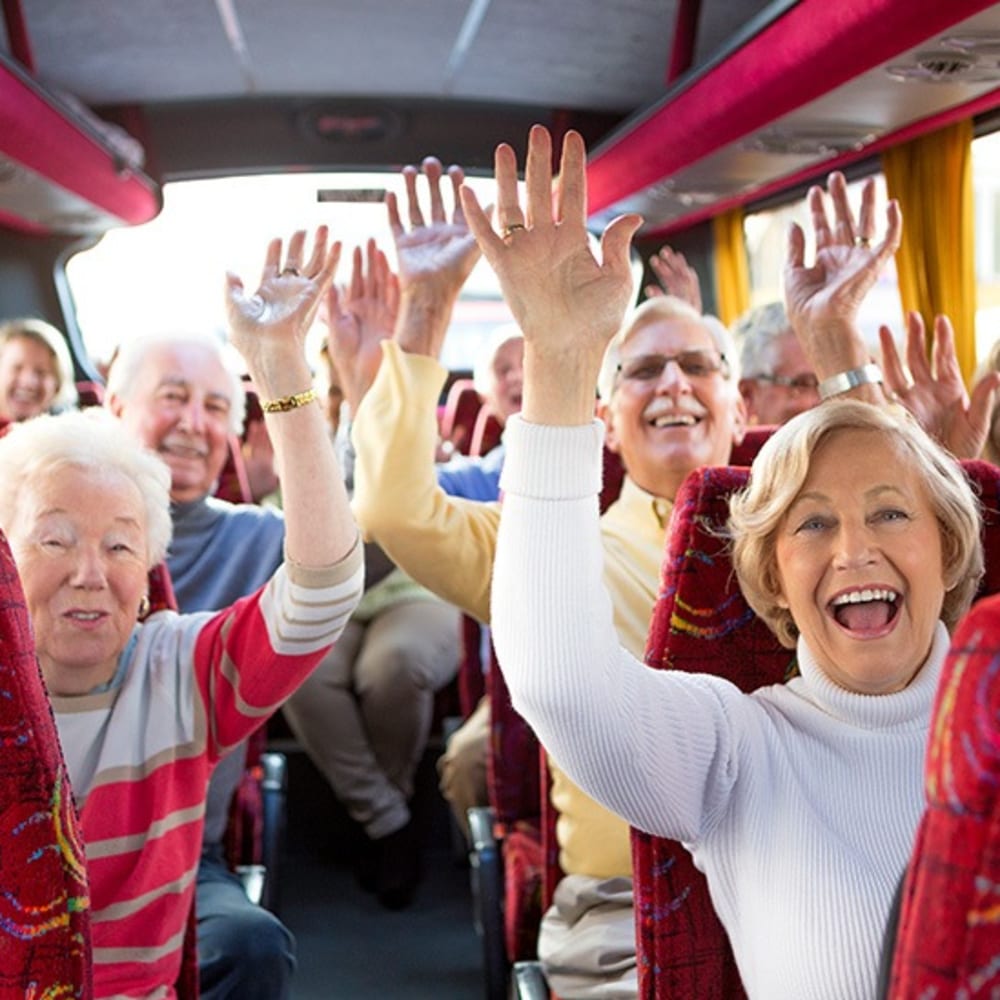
{"x": 562, "y": 298}
{"x": 675, "y": 276}
{"x": 441, "y": 253}
{"x": 828, "y": 294}
{"x": 358, "y": 317}
{"x": 275, "y": 319}
{"x": 934, "y": 391}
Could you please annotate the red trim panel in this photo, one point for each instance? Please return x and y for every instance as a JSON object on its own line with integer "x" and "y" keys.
{"x": 39, "y": 135}
{"x": 815, "y": 47}
{"x": 977, "y": 106}
{"x": 8, "y": 221}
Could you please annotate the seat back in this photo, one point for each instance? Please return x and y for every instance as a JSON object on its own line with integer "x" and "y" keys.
{"x": 458, "y": 418}
{"x": 947, "y": 943}
{"x": 753, "y": 440}
{"x": 45, "y": 947}
{"x": 486, "y": 432}
{"x": 701, "y": 623}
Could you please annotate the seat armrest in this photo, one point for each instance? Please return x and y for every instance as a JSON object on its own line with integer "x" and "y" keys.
{"x": 529, "y": 981}
{"x": 486, "y": 877}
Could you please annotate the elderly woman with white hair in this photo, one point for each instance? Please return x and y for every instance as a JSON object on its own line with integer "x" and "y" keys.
{"x": 36, "y": 371}
{"x": 145, "y": 708}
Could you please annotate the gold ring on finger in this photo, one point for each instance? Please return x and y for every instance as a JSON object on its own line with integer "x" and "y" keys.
{"x": 509, "y": 231}
{"x": 862, "y": 241}
{"x": 294, "y": 271}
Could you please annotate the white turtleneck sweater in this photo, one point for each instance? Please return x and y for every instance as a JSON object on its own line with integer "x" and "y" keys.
{"x": 799, "y": 802}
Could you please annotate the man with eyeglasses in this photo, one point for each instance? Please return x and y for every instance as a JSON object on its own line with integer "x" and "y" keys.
{"x": 776, "y": 379}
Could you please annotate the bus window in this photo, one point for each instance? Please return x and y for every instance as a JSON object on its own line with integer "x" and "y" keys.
{"x": 127, "y": 283}
{"x": 986, "y": 188}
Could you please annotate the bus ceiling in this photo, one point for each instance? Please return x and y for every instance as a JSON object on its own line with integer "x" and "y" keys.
{"x": 689, "y": 106}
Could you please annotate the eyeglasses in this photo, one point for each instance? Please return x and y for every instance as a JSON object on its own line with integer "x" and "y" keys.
{"x": 796, "y": 384}
{"x": 694, "y": 364}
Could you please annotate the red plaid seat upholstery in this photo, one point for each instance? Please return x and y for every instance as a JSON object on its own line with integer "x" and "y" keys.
{"x": 45, "y": 947}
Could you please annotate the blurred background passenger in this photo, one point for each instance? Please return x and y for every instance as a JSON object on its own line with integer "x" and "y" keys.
{"x": 364, "y": 716}
{"x": 36, "y": 372}
{"x": 776, "y": 379}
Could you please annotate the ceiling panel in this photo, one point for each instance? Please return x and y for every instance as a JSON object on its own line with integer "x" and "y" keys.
{"x": 604, "y": 55}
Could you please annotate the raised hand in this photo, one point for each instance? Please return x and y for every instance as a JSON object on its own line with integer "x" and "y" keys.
{"x": 434, "y": 258}
{"x": 276, "y": 318}
{"x": 675, "y": 276}
{"x": 567, "y": 303}
{"x": 933, "y": 389}
{"x": 823, "y": 299}
{"x": 358, "y": 317}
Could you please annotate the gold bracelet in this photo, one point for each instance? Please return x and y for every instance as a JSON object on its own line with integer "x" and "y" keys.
{"x": 285, "y": 403}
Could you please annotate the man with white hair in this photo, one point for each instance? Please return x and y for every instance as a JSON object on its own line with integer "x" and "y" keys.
{"x": 776, "y": 379}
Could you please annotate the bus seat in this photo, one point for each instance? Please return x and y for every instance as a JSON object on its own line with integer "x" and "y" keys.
{"x": 486, "y": 432}
{"x": 45, "y": 947}
{"x": 948, "y": 942}
{"x": 701, "y": 623}
{"x": 233, "y": 484}
{"x": 945, "y": 940}
{"x": 89, "y": 393}
{"x": 471, "y": 678}
{"x": 506, "y": 858}
{"x": 461, "y": 407}
{"x": 612, "y": 474}
{"x": 746, "y": 451}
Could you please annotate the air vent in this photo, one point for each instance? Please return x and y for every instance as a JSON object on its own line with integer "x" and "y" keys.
{"x": 983, "y": 43}
{"x": 820, "y": 141}
{"x": 946, "y": 66}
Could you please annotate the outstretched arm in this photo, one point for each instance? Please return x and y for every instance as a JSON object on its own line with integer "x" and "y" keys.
{"x": 567, "y": 304}
{"x": 589, "y": 701}
{"x": 933, "y": 389}
{"x": 823, "y": 299}
{"x": 675, "y": 276}
{"x": 435, "y": 258}
{"x": 358, "y": 317}
{"x": 269, "y": 328}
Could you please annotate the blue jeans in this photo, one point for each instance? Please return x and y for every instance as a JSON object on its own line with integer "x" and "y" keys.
{"x": 244, "y": 951}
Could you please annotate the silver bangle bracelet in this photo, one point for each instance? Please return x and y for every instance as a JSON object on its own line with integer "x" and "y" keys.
{"x": 845, "y": 381}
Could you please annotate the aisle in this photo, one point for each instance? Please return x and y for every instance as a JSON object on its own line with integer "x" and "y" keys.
{"x": 350, "y": 947}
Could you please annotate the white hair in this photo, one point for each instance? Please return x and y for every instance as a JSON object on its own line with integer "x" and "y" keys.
{"x": 659, "y": 309}
{"x": 131, "y": 358}
{"x": 91, "y": 440}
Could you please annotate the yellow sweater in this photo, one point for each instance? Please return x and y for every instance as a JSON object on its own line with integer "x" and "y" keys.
{"x": 447, "y": 544}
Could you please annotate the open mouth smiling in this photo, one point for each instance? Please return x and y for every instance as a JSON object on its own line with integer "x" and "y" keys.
{"x": 865, "y": 611}
{"x": 673, "y": 420}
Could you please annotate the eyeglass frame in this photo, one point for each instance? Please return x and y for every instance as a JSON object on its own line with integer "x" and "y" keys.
{"x": 721, "y": 366}
{"x": 794, "y": 383}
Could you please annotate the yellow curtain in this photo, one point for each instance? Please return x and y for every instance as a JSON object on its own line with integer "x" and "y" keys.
{"x": 732, "y": 274}
{"x": 931, "y": 177}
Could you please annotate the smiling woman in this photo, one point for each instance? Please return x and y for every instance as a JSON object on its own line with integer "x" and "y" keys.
{"x": 798, "y": 802}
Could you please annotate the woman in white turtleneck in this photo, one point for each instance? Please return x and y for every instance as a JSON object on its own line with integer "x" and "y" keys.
{"x": 857, "y": 541}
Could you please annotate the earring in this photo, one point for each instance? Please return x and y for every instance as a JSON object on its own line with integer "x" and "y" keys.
{"x": 144, "y": 606}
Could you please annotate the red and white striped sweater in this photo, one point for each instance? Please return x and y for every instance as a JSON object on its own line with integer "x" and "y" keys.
{"x": 140, "y": 754}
